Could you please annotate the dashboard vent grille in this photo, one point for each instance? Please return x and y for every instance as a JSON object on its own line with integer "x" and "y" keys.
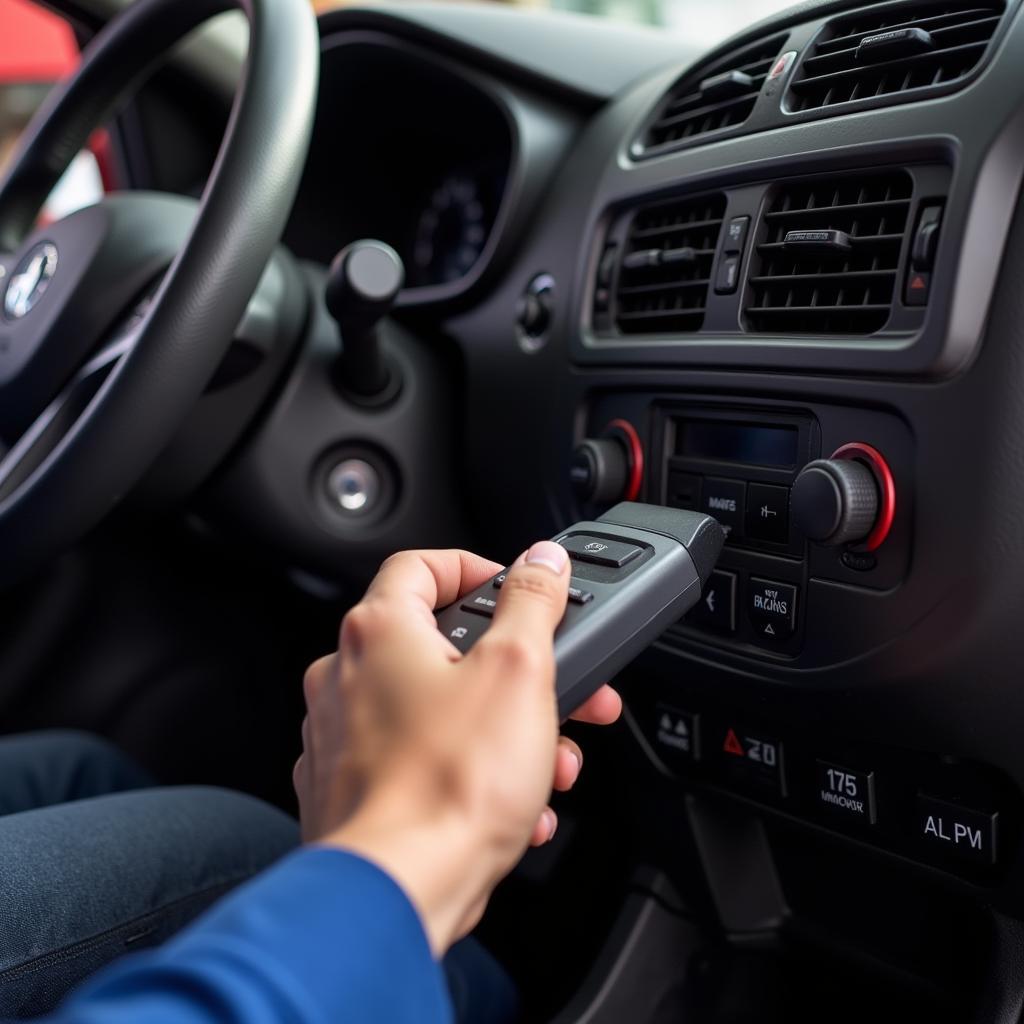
{"x": 663, "y": 277}
{"x": 829, "y": 254}
{"x": 890, "y": 57}
{"x": 720, "y": 96}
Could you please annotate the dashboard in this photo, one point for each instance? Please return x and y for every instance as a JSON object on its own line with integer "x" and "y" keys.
{"x": 439, "y": 219}
{"x": 778, "y": 283}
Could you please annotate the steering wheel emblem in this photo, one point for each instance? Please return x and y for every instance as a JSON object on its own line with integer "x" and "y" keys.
{"x": 30, "y": 280}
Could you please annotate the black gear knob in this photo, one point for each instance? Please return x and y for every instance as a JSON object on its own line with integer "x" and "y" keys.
{"x": 362, "y": 285}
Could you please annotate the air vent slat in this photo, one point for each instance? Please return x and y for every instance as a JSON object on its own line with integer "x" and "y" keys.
{"x": 846, "y": 286}
{"x": 900, "y": 65}
{"x": 942, "y": 45}
{"x": 686, "y": 113}
{"x": 932, "y": 24}
{"x": 665, "y": 288}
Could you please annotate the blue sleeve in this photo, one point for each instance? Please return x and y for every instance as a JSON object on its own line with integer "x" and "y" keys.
{"x": 323, "y": 937}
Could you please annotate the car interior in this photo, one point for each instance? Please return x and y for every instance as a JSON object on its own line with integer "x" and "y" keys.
{"x": 581, "y": 262}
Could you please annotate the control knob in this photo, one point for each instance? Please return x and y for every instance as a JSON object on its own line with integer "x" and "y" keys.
{"x": 837, "y": 501}
{"x": 608, "y": 468}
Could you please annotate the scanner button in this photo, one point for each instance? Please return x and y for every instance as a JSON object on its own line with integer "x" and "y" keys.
{"x": 480, "y": 605}
{"x": 600, "y": 550}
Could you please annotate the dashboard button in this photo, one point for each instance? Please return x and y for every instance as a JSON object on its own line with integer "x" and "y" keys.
{"x": 717, "y": 605}
{"x": 728, "y": 274}
{"x": 676, "y": 733}
{"x": 919, "y": 284}
{"x": 749, "y": 756}
{"x": 683, "y": 491}
{"x": 600, "y": 550}
{"x": 768, "y": 513}
{"x": 846, "y": 792}
{"x": 958, "y": 831}
{"x": 772, "y": 608}
{"x": 725, "y": 500}
{"x": 736, "y": 234}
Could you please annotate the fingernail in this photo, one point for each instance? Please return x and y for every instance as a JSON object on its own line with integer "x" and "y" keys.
{"x": 578, "y": 758}
{"x": 547, "y": 552}
{"x": 550, "y": 823}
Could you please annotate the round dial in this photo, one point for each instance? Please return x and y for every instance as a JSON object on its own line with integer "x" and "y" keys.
{"x": 451, "y": 232}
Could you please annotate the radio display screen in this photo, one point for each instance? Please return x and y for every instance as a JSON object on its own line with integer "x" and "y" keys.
{"x": 748, "y": 443}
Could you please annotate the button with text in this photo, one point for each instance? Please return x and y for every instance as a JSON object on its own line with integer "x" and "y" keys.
{"x": 768, "y": 513}
{"x": 600, "y": 550}
{"x": 846, "y": 792}
{"x": 480, "y": 605}
{"x": 724, "y": 499}
{"x": 751, "y": 756}
{"x": 676, "y": 733}
{"x": 717, "y": 605}
{"x": 958, "y": 831}
{"x": 771, "y": 607}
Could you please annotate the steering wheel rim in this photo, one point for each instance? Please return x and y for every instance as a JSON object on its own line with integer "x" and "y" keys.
{"x": 189, "y": 323}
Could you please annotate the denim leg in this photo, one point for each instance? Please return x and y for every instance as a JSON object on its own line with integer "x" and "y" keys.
{"x": 85, "y": 882}
{"x": 41, "y": 769}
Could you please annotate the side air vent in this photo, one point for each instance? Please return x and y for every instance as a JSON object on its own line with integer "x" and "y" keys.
{"x": 719, "y": 96}
{"x": 829, "y": 254}
{"x": 895, "y": 56}
{"x": 662, "y": 283}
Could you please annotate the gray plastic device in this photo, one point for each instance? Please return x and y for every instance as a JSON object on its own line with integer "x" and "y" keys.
{"x": 635, "y": 571}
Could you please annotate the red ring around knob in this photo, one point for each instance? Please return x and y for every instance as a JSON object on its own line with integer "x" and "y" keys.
{"x": 626, "y": 433}
{"x": 874, "y": 460}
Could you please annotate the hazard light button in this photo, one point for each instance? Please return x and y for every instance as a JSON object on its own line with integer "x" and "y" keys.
{"x": 919, "y": 284}
{"x": 753, "y": 757}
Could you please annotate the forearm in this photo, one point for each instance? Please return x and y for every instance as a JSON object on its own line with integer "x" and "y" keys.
{"x": 323, "y": 936}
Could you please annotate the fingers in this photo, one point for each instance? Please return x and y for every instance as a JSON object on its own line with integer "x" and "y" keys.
{"x": 544, "y": 831}
{"x": 431, "y": 579}
{"x": 603, "y": 708}
{"x": 568, "y": 764}
{"x": 530, "y": 605}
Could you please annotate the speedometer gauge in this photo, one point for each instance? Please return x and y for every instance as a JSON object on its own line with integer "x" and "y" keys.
{"x": 450, "y": 233}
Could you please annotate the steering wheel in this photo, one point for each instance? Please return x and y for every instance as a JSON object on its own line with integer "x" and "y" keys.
{"x": 113, "y": 320}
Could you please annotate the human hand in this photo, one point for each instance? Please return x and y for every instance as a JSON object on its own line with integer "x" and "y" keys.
{"x": 435, "y": 765}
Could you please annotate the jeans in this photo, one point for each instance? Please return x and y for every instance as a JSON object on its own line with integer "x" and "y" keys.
{"x": 96, "y": 863}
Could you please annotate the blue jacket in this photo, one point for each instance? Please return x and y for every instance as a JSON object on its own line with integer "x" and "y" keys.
{"x": 323, "y": 938}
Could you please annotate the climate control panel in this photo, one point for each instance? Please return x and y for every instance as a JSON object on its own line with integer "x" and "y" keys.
{"x": 807, "y": 496}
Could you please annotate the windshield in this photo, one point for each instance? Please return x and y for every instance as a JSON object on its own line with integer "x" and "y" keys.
{"x": 702, "y": 22}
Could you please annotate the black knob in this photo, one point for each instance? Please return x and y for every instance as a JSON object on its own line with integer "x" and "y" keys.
{"x": 835, "y": 501}
{"x": 600, "y": 469}
{"x": 362, "y": 285}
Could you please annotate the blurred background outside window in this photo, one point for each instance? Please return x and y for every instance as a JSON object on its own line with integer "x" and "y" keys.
{"x": 38, "y": 48}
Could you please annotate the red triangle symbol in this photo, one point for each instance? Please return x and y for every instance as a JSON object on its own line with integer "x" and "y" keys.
{"x": 917, "y": 283}
{"x": 732, "y": 745}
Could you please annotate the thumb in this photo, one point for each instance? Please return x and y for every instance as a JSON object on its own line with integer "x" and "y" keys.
{"x": 532, "y": 600}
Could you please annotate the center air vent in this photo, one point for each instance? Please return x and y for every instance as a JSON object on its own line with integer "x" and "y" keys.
{"x": 896, "y": 55}
{"x": 662, "y": 284}
{"x": 830, "y": 253}
{"x": 719, "y": 96}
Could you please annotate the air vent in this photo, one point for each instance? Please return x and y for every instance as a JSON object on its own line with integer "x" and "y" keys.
{"x": 830, "y": 253}
{"x": 719, "y": 96}
{"x": 666, "y": 265}
{"x": 877, "y": 58}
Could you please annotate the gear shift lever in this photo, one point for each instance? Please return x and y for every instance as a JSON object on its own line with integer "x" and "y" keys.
{"x": 362, "y": 285}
